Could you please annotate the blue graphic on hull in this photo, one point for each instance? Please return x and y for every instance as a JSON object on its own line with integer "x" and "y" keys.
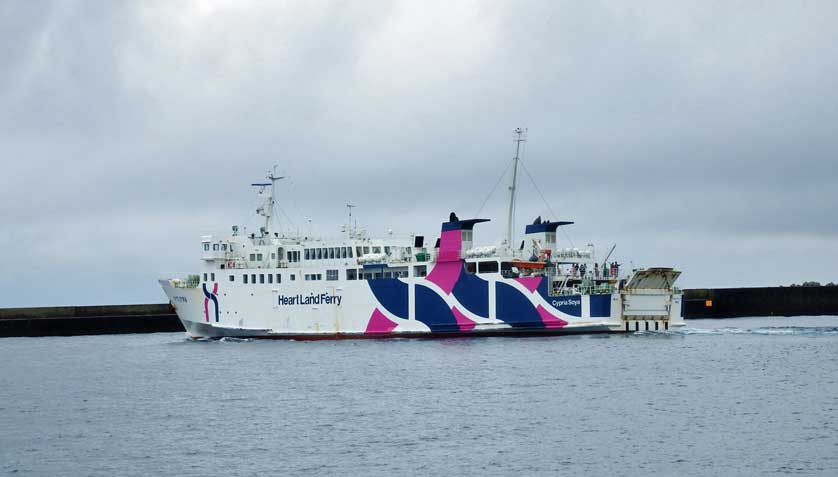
{"x": 473, "y": 293}
{"x": 432, "y": 310}
{"x": 600, "y": 306}
{"x": 392, "y": 294}
{"x": 516, "y": 309}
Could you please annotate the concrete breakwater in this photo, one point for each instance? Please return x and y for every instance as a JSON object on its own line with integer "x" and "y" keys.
{"x": 112, "y": 319}
{"x": 88, "y": 320}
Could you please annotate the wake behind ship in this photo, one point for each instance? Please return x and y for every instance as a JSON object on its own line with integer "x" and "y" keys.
{"x": 271, "y": 285}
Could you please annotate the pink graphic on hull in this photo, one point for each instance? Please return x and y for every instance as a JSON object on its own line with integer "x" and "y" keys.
{"x": 445, "y": 275}
{"x": 530, "y": 283}
{"x": 379, "y": 324}
{"x": 549, "y": 320}
{"x": 463, "y": 321}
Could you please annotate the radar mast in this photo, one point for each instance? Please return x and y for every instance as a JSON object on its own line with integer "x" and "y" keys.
{"x": 520, "y": 136}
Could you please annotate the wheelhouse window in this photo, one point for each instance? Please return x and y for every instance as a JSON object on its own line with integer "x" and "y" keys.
{"x": 206, "y": 247}
{"x": 306, "y": 254}
{"x": 487, "y": 267}
{"x": 349, "y": 249}
{"x": 319, "y": 254}
{"x": 376, "y": 250}
{"x": 331, "y": 275}
{"x": 215, "y": 247}
{"x": 358, "y": 251}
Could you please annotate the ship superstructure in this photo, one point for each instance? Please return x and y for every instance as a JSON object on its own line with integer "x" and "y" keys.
{"x": 273, "y": 285}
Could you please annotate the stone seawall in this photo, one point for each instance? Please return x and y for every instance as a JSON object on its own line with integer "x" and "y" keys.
{"x": 766, "y": 301}
{"x": 88, "y": 320}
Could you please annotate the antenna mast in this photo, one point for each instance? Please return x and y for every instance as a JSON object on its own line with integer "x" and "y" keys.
{"x": 266, "y": 209}
{"x": 520, "y": 136}
{"x": 349, "y": 225}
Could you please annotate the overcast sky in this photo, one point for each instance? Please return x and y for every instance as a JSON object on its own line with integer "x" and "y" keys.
{"x": 699, "y": 135}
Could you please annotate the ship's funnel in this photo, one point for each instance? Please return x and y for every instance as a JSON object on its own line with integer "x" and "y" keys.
{"x": 544, "y": 232}
{"x": 457, "y": 235}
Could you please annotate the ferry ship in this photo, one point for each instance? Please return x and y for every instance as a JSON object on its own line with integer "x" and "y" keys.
{"x": 274, "y": 285}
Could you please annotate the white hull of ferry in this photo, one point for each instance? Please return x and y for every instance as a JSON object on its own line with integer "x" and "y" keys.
{"x": 352, "y": 309}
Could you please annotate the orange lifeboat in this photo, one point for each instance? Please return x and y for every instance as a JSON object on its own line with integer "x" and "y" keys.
{"x": 526, "y": 264}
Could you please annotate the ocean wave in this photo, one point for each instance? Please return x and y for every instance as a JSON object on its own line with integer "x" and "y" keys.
{"x": 766, "y": 330}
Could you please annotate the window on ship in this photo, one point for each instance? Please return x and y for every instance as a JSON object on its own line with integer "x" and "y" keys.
{"x": 331, "y": 275}
{"x": 487, "y": 267}
{"x": 212, "y": 276}
{"x": 253, "y": 278}
{"x": 471, "y": 267}
{"x": 270, "y": 278}
{"x": 206, "y": 247}
{"x": 244, "y": 278}
{"x": 420, "y": 270}
{"x": 351, "y": 274}
{"x": 232, "y": 278}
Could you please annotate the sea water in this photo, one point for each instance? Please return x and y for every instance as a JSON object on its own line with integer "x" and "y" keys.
{"x": 743, "y": 396}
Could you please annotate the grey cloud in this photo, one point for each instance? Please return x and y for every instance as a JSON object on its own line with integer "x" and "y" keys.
{"x": 690, "y": 134}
